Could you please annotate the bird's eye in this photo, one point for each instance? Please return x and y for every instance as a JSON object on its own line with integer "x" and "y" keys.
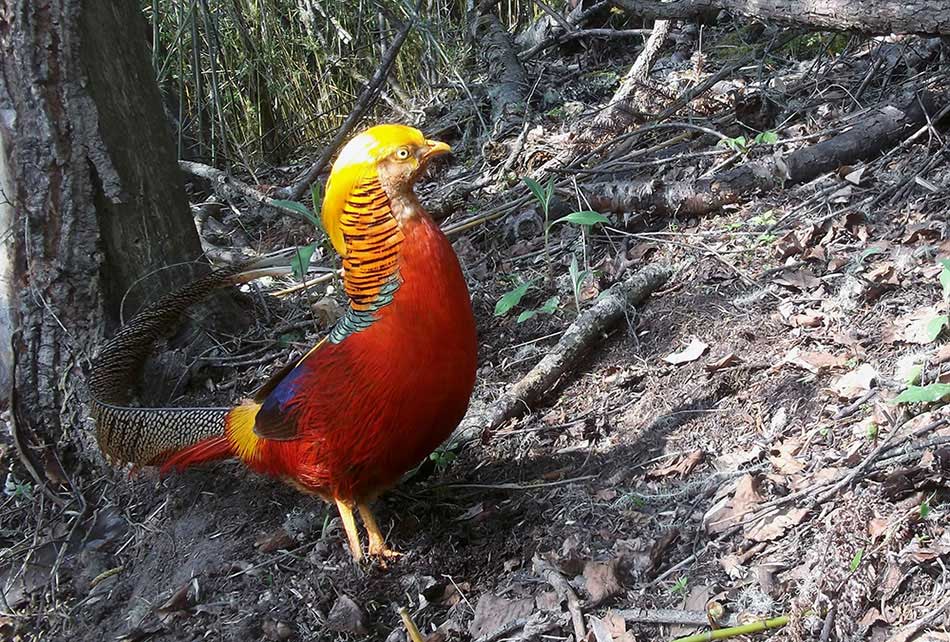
{"x": 402, "y": 153}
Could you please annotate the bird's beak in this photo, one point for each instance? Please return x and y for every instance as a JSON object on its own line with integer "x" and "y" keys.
{"x": 435, "y": 148}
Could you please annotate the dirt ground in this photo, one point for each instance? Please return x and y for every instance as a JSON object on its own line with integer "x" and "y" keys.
{"x": 733, "y": 450}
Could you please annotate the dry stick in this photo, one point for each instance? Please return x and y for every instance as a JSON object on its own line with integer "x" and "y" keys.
{"x": 883, "y": 129}
{"x": 667, "y": 616}
{"x": 363, "y": 103}
{"x": 564, "y": 591}
{"x": 223, "y": 179}
{"x": 573, "y": 344}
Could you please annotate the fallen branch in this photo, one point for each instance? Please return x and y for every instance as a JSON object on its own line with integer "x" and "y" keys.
{"x": 868, "y": 16}
{"x": 226, "y": 186}
{"x": 564, "y": 591}
{"x": 508, "y": 80}
{"x": 363, "y": 103}
{"x": 574, "y": 343}
{"x": 885, "y": 128}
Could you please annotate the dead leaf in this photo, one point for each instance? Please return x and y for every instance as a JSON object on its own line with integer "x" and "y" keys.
{"x": 842, "y": 195}
{"x": 601, "y": 580}
{"x": 346, "y": 617}
{"x": 784, "y": 456}
{"x": 599, "y": 629}
{"x": 854, "y": 177}
{"x": 326, "y": 311}
{"x": 727, "y": 361}
{"x": 813, "y": 361}
{"x": 883, "y": 274}
{"x": 682, "y": 466}
{"x": 493, "y": 612}
{"x": 807, "y": 319}
{"x": 797, "y": 279}
{"x": 943, "y": 354}
{"x": 855, "y": 383}
{"x": 768, "y": 530}
{"x": 275, "y": 541}
{"x": 692, "y": 352}
{"x": 728, "y": 512}
{"x": 788, "y": 245}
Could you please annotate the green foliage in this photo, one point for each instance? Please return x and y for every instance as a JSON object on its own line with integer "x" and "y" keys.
{"x": 301, "y": 260}
{"x": 931, "y": 393}
{"x": 577, "y": 280}
{"x": 679, "y": 587}
{"x": 935, "y": 327}
{"x": 925, "y": 508}
{"x": 586, "y": 218}
{"x": 742, "y": 145}
{"x": 549, "y": 307}
{"x": 512, "y": 298}
{"x": 442, "y": 458}
{"x": 256, "y": 79}
{"x": 945, "y": 280}
{"x": 301, "y": 209}
{"x": 17, "y": 489}
{"x": 542, "y": 194}
{"x": 856, "y": 560}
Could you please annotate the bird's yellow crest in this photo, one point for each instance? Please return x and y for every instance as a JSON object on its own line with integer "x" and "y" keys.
{"x": 357, "y": 163}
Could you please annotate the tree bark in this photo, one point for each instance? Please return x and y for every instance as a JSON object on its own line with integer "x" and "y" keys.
{"x": 931, "y": 17}
{"x": 98, "y": 201}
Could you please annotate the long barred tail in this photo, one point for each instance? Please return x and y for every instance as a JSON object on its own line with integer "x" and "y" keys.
{"x": 148, "y": 436}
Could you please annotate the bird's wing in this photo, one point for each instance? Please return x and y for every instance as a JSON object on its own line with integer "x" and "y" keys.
{"x": 275, "y": 419}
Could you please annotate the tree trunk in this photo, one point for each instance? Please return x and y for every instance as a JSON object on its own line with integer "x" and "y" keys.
{"x": 929, "y": 17}
{"x": 98, "y": 206}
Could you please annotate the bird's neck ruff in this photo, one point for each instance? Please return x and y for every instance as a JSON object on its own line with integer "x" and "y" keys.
{"x": 372, "y": 235}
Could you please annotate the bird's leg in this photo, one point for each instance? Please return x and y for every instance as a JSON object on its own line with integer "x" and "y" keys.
{"x": 349, "y": 525}
{"x": 377, "y": 543}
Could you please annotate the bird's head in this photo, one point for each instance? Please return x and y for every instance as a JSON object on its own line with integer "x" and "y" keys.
{"x": 396, "y": 155}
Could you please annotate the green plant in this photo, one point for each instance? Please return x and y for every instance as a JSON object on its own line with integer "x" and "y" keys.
{"x": 679, "y": 586}
{"x": 856, "y": 560}
{"x": 742, "y": 145}
{"x": 544, "y": 195}
{"x": 577, "y": 280}
{"x": 512, "y": 297}
{"x": 924, "y": 509}
{"x": 442, "y": 458}
{"x": 549, "y": 307}
{"x": 934, "y": 392}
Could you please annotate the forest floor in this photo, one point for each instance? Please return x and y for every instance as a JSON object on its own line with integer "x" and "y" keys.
{"x": 734, "y": 450}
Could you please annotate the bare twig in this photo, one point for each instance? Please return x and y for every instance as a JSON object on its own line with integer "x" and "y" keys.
{"x": 564, "y": 591}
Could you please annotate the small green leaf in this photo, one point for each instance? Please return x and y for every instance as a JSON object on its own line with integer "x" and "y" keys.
{"x": 766, "y": 138}
{"x": 739, "y": 144}
{"x": 935, "y": 326}
{"x": 856, "y": 560}
{"x": 872, "y": 431}
{"x": 301, "y": 209}
{"x": 866, "y": 254}
{"x": 585, "y": 217}
{"x": 945, "y": 278}
{"x": 550, "y": 306}
{"x": 925, "y": 509}
{"x": 527, "y": 314}
{"x": 679, "y": 586}
{"x": 512, "y": 298}
{"x": 301, "y": 260}
{"x": 924, "y": 394}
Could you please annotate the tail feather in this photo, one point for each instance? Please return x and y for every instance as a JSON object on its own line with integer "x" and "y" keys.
{"x": 147, "y": 436}
{"x": 210, "y": 449}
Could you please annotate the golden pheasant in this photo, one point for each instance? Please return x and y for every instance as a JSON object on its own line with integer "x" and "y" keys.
{"x": 370, "y": 401}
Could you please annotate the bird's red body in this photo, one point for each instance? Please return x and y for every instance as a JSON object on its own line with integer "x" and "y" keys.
{"x": 375, "y": 405}
{"x": 394, "y": 376}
